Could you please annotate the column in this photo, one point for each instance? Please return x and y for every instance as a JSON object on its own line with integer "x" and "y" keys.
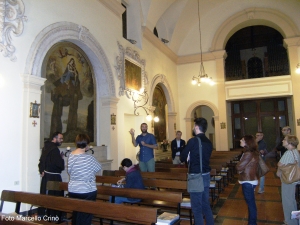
{"x": 221, "y": 134}
{"x": 292, "y": 45}
{"x": 172, "y": 125}
{"x": 107, "y": 134}
{"x": 30, "y": 154}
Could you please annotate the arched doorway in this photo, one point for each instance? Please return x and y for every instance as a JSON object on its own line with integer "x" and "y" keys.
{"x": 207, "y": 113}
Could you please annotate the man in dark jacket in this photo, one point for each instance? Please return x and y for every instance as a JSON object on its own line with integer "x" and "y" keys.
{"x": 199, "y": 200}
{"x": 177, "y": 145}
{"x": 50, "y": 167}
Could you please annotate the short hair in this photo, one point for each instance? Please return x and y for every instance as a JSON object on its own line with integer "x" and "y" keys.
{"x": 55, "y": 135}
{"x": 288, "y": 128}
{"x": 144, "y": 124}
{"x": 82, "y": 140}
{"x": 201, "y": 123}
{"x": 251, "y": 144}
{"x": 126, "y": 162}
{"x": 178, "y": 132}
{"x": 292, "y": 140}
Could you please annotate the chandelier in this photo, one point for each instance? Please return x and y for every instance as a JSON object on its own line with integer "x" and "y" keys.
{"x": 202, "y": 77}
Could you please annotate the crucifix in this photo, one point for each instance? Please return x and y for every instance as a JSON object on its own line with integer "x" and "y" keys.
{"x": 34, "y": 123}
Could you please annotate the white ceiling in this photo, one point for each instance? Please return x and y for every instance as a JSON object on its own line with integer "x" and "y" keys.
{"x": 177, "y": 20}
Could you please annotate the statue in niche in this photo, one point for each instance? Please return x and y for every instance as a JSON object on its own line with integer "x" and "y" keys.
{"x": 69, "y": 93}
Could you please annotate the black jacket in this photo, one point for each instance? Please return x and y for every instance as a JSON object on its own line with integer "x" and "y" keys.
{"x": 51, "y": 160}
{"x": 174, "y": 147}
{"x": 193, "y": 147}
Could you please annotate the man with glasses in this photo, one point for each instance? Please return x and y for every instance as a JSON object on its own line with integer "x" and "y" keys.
{"x": 285, "y": 131}
{"x": 262, "y": 148}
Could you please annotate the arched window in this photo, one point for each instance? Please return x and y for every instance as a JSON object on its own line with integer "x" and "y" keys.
{"x": 255, "y": 68}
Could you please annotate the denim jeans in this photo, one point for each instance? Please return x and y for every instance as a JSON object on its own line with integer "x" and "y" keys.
{"x": 79, "y": 218}
{"x": 148, "y": 166}
{"x": 201, "y": 205}
{"x": 248, "y": 191}
{"x": 262, "y": 183}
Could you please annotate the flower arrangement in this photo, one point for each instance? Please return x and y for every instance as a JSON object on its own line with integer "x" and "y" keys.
{"x": 164, "y": 145}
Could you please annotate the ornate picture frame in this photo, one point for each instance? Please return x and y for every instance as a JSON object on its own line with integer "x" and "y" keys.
{"x": 35, "y": 110}
{"x": 130, "y": 71}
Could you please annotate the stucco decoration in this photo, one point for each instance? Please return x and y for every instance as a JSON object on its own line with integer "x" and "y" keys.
{"x": 11, "y": 22}
{"x": 133, "y": 56}
{"x": 80, "y": 36}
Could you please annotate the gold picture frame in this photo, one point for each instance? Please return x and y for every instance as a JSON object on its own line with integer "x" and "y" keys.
{"x": 35, "y": 110}
{"x": 113, "y": 119}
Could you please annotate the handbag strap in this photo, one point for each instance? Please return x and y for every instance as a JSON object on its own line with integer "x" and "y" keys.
{"x": 200, "y": 155}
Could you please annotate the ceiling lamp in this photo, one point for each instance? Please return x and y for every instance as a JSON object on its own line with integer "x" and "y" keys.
{"x": 202, "y": 77}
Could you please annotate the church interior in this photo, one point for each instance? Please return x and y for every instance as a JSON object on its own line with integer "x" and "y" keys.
{"x": 103, "y": 67}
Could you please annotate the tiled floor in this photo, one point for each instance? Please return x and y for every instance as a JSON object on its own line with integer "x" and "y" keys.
{"x": 232, "y": 208}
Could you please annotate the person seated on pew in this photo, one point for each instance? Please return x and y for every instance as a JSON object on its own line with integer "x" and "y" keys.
{"x": 133, "y": 179}
{"x": 82, "y": 169}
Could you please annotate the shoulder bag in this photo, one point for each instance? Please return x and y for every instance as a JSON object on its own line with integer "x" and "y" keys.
{"x": 263, "y": 169}
{"x": 290, "y": 173}
{"x": 195, "y": 180}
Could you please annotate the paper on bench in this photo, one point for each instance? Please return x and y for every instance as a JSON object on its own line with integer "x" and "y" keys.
{"x": 186, "y": 202}
{"x": 167, "y": 218}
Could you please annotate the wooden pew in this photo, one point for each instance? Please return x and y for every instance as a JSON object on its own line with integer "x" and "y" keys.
{"x": 174, "y": 198}
{"x": 124, "y": 213}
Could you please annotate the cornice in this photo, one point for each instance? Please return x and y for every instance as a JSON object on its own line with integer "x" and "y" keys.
{"x": 160, "y": 45}
{"x": 113, "y": 6}
{"x": 205, "y": 57}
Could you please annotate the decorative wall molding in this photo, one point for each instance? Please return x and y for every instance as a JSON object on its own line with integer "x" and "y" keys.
{"x": 79, "y": 35}
{"x": 162, "y": 80}
{"x": 130, "y": 55}
{"x": 11, "y": 22}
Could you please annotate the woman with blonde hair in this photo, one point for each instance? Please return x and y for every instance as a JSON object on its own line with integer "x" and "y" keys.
{"x": 290, "y": 142}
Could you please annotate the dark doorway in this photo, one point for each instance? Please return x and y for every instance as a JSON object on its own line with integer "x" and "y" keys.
{"x": 266, "y": 115}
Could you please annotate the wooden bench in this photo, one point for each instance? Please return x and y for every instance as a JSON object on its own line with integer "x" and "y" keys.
{"x": 124, "y": 213}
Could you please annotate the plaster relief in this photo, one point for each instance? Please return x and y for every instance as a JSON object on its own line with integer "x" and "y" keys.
{"x": 11, "y": 22}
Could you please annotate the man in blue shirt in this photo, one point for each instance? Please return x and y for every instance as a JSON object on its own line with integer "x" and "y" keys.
{"x": 147, "y": 143}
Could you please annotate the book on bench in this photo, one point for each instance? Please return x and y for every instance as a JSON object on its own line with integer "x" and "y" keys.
{"x": 167, "y": 218}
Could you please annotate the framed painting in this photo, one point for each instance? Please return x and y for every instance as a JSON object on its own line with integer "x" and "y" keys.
{"x": 131, "y": 71}
{"x": 35, "y": 110}
{"x": 133, "y": 75}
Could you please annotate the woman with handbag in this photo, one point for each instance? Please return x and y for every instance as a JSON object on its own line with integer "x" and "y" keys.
{"x": 247, "y": 168}
{"x": 291, "y": 156}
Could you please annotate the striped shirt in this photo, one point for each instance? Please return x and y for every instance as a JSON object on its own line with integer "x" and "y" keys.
{"x": 82, "y": 169}
{"x": 290, "y": 156}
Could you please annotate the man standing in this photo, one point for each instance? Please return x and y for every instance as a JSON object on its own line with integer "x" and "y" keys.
{"x": 285, "y": 131}
{"x": 147, "y": 143}
{"x": 50, "y": 167}
{"x": 177, "y": 145}
{"x": 199, "y": 200}
{"x": 262, "y": 148}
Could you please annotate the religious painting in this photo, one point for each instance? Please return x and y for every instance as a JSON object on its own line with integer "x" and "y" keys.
{"x": 34, "y": 110}
{"x": 68, "y": 92}
{"x": 133, "y": 75}
{"x": 159, "y": 102}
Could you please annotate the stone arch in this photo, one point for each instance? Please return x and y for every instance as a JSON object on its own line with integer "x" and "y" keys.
{"x": 199, "y": 103}
{"x": 79, "y": 35}
{"x": 161, "y": 79}
{"x": 251, "y": 17}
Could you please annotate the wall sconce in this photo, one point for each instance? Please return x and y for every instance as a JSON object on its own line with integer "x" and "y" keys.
{"x": 223, "y": 125}
{"x": 298, "y": 122}
{"x": 298, "y": 68}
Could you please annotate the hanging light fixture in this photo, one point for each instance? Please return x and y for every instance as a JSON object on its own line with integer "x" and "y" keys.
{"x": 202, "y": 77}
